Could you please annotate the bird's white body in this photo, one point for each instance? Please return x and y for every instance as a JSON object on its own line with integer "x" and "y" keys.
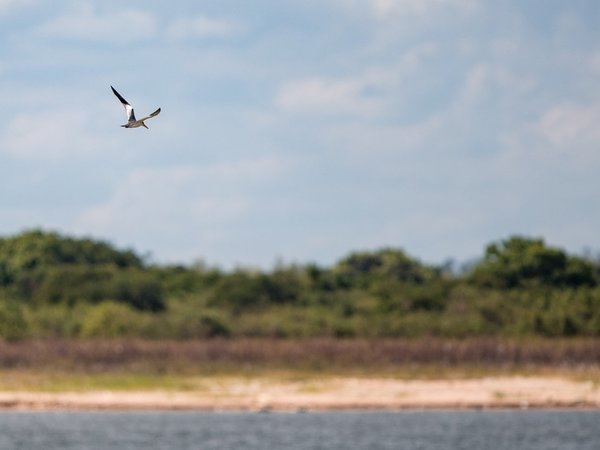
{"x": 132, "y": 122}
{"x": 135, "y": 124}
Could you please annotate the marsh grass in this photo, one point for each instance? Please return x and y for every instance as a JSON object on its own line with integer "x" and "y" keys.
{"x": 61, "y": 365}
{"x": 64, "y": 381}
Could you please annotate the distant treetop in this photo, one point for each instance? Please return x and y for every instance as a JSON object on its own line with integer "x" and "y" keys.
{"x": 36, "y": 248}
{"x": 521, "y": 262}
{"x": 360, "y": 268}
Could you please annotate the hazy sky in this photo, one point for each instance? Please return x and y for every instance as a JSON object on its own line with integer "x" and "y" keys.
{"x": 301, "y": 130}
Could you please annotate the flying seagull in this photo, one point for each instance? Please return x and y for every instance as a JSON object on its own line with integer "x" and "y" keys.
{"x": 132, "y": 122}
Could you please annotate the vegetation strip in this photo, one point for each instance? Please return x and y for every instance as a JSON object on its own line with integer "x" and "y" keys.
{"x": 54, "y": 286}
{"x": 315, "y": 355}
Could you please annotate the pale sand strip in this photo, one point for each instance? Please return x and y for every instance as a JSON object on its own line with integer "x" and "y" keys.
{"x": 328, "y": 394}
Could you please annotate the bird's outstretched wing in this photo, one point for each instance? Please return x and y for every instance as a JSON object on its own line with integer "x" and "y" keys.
{"x": 155, "y": 113}
{"x": 128, "y": 107}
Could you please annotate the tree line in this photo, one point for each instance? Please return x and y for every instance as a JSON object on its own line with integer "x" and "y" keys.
{"x": 53, "y": 285}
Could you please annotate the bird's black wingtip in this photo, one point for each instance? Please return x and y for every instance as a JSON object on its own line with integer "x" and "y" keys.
{"x": 119, "y": 96}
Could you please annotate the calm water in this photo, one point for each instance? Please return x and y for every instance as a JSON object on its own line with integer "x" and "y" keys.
{"x": 496, "y": 430}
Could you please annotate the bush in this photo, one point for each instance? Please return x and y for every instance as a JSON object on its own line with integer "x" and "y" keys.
{"x": 138, "y": 289}
{"x": 55, "y": 321}
{"x": 38, "y": 249}
{"x": 245, "y": 290}
{"x": 192, "y": 320}
{"x": 524, "y": 262}
{"x": 12, "y": 320}
{"x": 359, "y": 270}
{"x": 112, "y": 320}
{"x": 402, "y": 297}
{"x": 70, "y": 284}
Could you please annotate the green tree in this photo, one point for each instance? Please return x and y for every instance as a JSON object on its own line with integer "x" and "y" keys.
{"x": 363, "y": 268}
{"x": 45, "y": 267}
{"x": 246, "y": 290}
{"x": 525, "y": 262}
{"x": 70, "y": 284}
{"x": 37, "y": 249}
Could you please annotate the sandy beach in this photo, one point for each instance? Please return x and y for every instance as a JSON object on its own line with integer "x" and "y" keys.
{"x": 258, "y": 394}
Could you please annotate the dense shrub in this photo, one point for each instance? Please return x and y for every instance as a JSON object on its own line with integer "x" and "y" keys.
{"x": 55, "y": 321}
{"x": 246, "y": 290}
{"x": 111, "y": 320}
{"x": 55, "y": 286}
{"x": 36, "y": 249}
{"x": 12, "y": 320}
{"x": 192, "y": 320}
{"x": 362, "y": 269}
{"x": 524, "y": 262}
{"x": 72, "y": 284}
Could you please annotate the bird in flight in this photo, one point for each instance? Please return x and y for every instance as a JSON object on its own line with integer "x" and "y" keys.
{"x": 132, "y": 122}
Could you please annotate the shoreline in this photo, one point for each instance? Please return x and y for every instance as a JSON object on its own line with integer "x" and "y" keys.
{"x": 332, "y": 394}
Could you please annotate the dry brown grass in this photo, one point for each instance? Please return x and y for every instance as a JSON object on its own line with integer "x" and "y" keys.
{"x": 314, "y": 355}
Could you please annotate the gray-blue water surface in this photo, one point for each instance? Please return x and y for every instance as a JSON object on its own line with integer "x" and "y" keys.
{"x": 483, "y": 430}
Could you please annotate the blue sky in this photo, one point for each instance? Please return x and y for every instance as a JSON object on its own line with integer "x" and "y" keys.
{"x": 302, "y": 130}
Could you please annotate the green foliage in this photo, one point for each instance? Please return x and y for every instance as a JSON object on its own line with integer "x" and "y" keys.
{"x": 285, "y": 321}
{"x": 205, "y": 324}
{"x": 362, "y": 269}
{"x": 55, "y": 321}
{"x": 36, "y": 249}
{"x": 181, "y": 280}
{"x": 246, "y": 290}
{"x": 74, "y": 283}
{"x": 189, "y": 318}
{"x": 397, "y": 296}
{"x": 525, "y": 262}
{"x": 12, "y": 320}
{"x": 44, "y": 268}
{"x": 55, "y": 286}
{"x": 111, "y": 320}
{"x": 137, "y": 289}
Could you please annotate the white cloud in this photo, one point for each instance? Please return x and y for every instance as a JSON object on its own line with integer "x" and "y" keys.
{"x": 201, "y": 27}
{"x": 571, "y": 127}
{"x": 85, "y": 23}
{"x": 363, "y": 95}
{"x": 175, "y": 200}
{"x": 49, "y": 135}
{"x": 7, "y": 6}
{"x": 159, "y": 199}
{"x": 385, "y": 9}
{"x": 420, "y": 7}
{"x": 328, "y": 96}
{"x": 449, "y": 125}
